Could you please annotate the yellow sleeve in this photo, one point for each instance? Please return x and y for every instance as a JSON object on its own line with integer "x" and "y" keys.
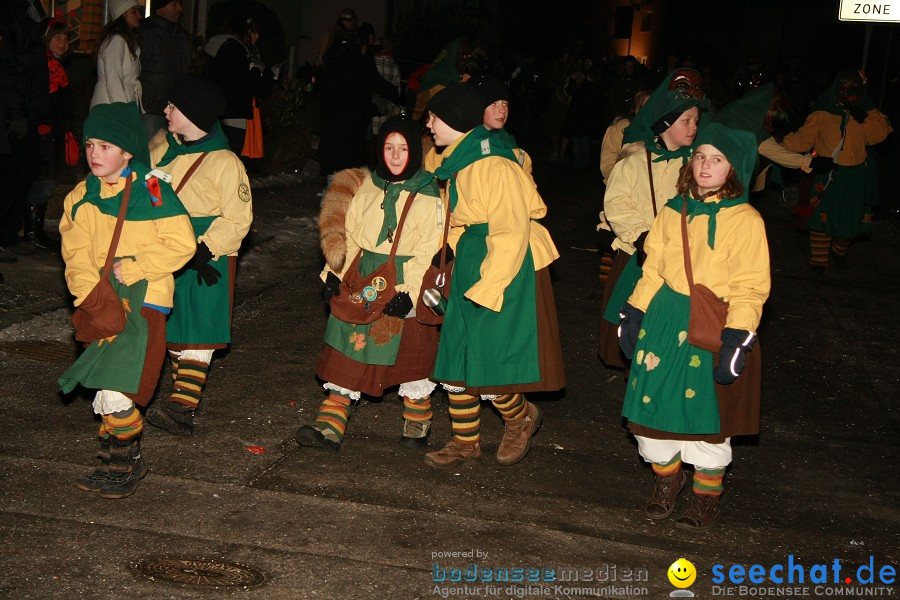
{"x": 876, "y": 127}
{"x": 509, "y": 231}
{"x": 782, "y": 156}
{"x": 804, "y": 138}
{"x": 650, "y": 280}
{"x": 749, "y": 279}
{"x": 620, "y": 203}
{"x": 174, "y": 246}
{"x": 226, "y": 233}
{"x": 609, "y": 149}
{"x": 82, "y": 271}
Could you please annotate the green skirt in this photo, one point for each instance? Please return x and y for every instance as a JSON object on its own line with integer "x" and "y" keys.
{"x": 671, "y": 387}
{"x": 842, "y": 206}
{"x": 623, "y": 289}
{"x": 376, "y": 343}
{"x": 116, "y": 362}
{"x": 201, "y": 314}
{"x": 478, "y": 346}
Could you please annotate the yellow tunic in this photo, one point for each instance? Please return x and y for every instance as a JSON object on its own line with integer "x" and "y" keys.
{"x": 218, "y": 188}
{"x": 420, "y": 237}
{"x": 626, "y": 205}
{"x": 497, "y": 191}
{"x": 822, "y": 132}
{"x": 159, "y": 247}
{"x": 737, "y": 270}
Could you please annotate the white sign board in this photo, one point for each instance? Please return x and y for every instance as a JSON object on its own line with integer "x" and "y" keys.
{"x": 875, "y": 11}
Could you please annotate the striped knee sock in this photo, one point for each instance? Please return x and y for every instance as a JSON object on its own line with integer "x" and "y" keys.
{"x": 123, "y": 425}
{"x": 511, "y": 406}
{"x": 465, "y": 418}
{"x": 173, "y": 360}
{"x": 189, "y": 382}
{"x": 708, "y": 481}
{"x": 605, "y": 265}
{"x": 667, "y": 469}
{"x": 417, "y": 409}
{"x": 819, "y": 243}
{"x": 840, "y": 246}
{"x": 334, "y": 413}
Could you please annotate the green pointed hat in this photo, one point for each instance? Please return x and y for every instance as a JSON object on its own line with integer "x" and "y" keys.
{"x": 739, "y": 147}
{"x": 119, "y": 123}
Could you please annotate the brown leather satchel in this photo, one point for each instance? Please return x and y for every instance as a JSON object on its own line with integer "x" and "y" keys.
{"x": 362, "y": 299}
{"x": 435, "y": 290}
{"x": 708, "y": 311}
{"x": 101, "y": 315}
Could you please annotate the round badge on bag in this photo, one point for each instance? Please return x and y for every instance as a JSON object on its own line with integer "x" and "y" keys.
{"x": 356, "y": 298}
{"x": 379, "y": 283}
{"x": 369, "y": 293}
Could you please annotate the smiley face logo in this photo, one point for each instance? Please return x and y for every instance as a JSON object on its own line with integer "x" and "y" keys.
{"x": 682, "y": 573}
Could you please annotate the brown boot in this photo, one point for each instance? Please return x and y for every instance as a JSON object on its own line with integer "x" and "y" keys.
{"x": 517, "y": 436}
{"x": 665, "y": 492}
{"x": 454, "y": 454}
{"x": 703, "y": 512}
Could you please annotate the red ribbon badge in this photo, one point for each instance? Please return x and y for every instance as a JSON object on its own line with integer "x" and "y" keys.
{"x": 152, "y": 185}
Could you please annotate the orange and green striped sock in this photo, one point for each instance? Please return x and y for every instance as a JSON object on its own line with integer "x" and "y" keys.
{"x": 511, "y": 406}
{"x": 819, "y": 244}
{"x": 124, "y": 425}
{"x": 417, "y": 409}
{"x": 605, "y": 266}
{"x": 840, "y": 246}
{"x": 465, "y": 418}
{"x": 334, "y": 413}
{"x": 708, "y": 481}
{"x": 189, "y": 382}
{"x": 667, "y": 469}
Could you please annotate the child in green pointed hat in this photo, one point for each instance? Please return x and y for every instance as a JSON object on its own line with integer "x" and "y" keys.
{"x": 656, "y": 144}
{"x": 156, "y": 240}
{"x": 684, "y": 403}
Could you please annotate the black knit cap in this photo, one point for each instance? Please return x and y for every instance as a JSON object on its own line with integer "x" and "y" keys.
{"x": 199, "y": 99}
{"x": 492, "y": 88}
{"x": 459, "y": 105}
{"x": 412, "y": 133}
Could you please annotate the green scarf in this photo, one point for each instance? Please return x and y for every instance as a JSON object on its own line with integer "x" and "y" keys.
{"x": 422, "y": 182}
{"x": 696, "y": 207}
{"x": 140, "y": 207}
{"x": 215, "y": 140}
{"x": 475, "y": 145}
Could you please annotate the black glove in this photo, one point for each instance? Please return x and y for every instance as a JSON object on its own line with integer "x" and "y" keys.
{"x": 629, "y": 327}
{"x": 735, "y": 344}
{"x": 639, "y": 249}
{"x": 206, "y": 273}
{"x": 436, "y": 261}
{"x": 857, "y": 113}
{"x": 331, "y": 287}
{"x": 17, "y": 128}
{"x": 822, "y": 164}
{"x": 398, "y": 306}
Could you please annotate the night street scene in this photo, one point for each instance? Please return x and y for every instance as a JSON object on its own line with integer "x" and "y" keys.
{"x": 416, "y": 299}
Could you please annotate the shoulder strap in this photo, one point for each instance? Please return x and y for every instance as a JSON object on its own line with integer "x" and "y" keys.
{"x": 652, "y": 192}
{"x": 117, "y": 233}
{"x": 190, "y": 172}
{"x": 406, "y": 207}
{"x": 684, "y": 244}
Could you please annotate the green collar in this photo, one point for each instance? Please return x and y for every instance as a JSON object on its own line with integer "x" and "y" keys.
{"x": 696, "y": 207}
{"x": 214, "y": 140}
{"x": 141, "y": 204}
{"x": 422, "y": 182}
{"x": 475, "y": 145}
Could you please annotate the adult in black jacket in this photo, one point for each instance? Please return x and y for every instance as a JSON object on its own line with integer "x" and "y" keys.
{"x": 166, "y": 56}
{"x": 348, "y": 80}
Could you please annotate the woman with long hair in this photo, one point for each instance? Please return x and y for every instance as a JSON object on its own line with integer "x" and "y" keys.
{"x": 117, "y": 55}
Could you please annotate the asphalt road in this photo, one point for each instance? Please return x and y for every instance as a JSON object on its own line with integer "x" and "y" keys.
{"x": 819, "y": 484}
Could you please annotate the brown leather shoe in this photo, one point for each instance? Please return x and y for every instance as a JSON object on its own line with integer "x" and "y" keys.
{"x": 703, "y": 512}
{"x": 454, "y": 454}
{"x": 665, "y": 492}
{"x": 517, "y": 437}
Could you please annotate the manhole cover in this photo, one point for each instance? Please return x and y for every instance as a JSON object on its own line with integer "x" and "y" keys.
{"x": 208, "y": 573}
{"x": 47, "y": 351}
